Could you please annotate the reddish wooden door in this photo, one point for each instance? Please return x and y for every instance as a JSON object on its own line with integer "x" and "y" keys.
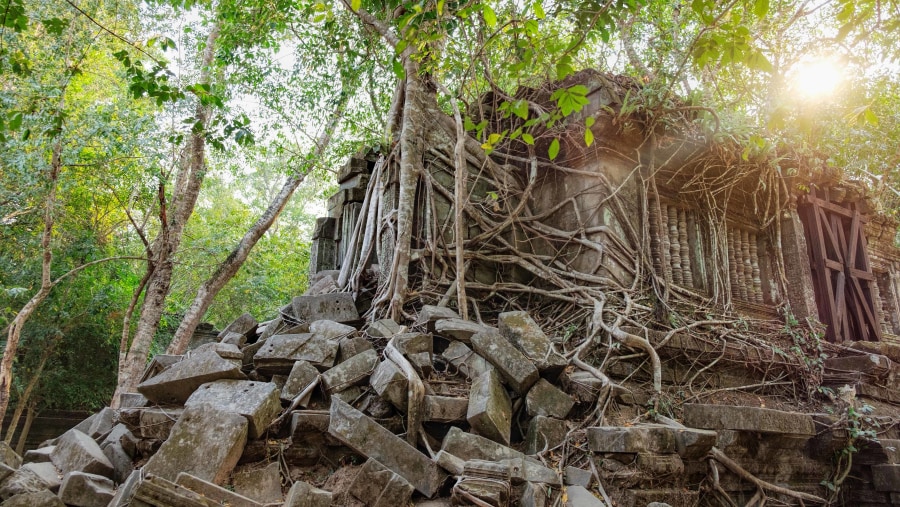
{"x": 842, "y": 275}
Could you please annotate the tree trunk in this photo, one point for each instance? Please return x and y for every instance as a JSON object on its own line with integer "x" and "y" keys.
{"x": 26, "y": 428}
{"x": 188, "y": 182}
{"x": 29, "y": 389}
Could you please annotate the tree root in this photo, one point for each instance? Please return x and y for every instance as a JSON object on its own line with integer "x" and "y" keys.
{"x": 738, "y": 470}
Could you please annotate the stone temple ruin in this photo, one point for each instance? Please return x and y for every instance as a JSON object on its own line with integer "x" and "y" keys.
{"x": 653, "y": 320}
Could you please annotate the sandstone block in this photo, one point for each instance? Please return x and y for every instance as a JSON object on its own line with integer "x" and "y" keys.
{"x": 632, "y": 439}
{"x": 763, "y": 420}
{"x": 390, "y": 383}
{"x": 260, "y": 484}
{"x": 523, "y": 332}
{"x": 157, "y": 422}
{"x": 577, "y": 496}
{"x": 376, "y": 486}
{"x": 43, "y": 498}
{"x": 305, "y": 495}
{"x": 490, "y": 409}
{"x": 545, "y": 399}
{"x": 336, "y": 306}
{"x": 516, "y": 369}
{"x": 302, "y": 375}
{"x": 257, "y": 401}
{"x": 217, "y": 494}
{"x": 77, "y": 452}
{"x": 466, "y": 360}
{"x": 279, "y": 353}
{"x": 457, "y": 329}
{"x": 445, "y": 409}
{"x": 372, "y": 440}
{"x": 176, "y": 384}
{"x": 86, "y": 490}
{"x": 205, "y": 443}
{"x": 352, "y": 372}
{"x": 429, "y": 314}
{"x": 886, "y": 477}
{"x": 544, "y": 433}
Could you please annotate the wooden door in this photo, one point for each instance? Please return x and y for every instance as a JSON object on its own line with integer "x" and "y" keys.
{"x": 842, "y": 275}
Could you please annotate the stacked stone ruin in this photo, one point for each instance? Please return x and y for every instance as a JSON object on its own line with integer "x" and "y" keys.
{"x": 243, "y": 419}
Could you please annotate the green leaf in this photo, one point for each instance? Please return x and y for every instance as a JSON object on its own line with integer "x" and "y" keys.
{"x": 761, "y": 8}
{"x": 539, "y": 10}
{"x": 55, "y": 26}
{"x": 520, "y": 108}
{"x": 355, "y": 5}
{"x": 871, "y": 117}
{"x": 588, "y": 137}
{"x": 15, "y": 121}
{"x": 553, "y": 150}
{"x": 399, "y": 71}
{"x": 589, "y": 121}
{"x": 490, "y": 17}
{"x": 528, "y": 139}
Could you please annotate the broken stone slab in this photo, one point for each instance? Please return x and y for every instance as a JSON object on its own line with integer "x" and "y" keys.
{"x": 574, "y": 476}
{"x": 545, "y": 399}
{"x": 330, "y": 329}
{"x": 350, "y": 347}
{"x": 217, "y": 494}
{"x": 176, "y": 384}
{"x": 516, "y": 369}
{"x": 485, "y": 481}
{"x": 694, "y": 444}
{"x": 98, "y": 423}
{"x": 280, "y": 352}
{"x": 581, "y": 385}
{"x": 126, "y": 490}
{"x": 42, "y": 498}
{"x": 303, "y": 494}
{"x": 534, "y": 496}
{"x": 79, "y": 489}
{"x": 132, "y": 400}
{"x": 376, "y": 486}
{"x": 205, "y": 442}
{"x": 77, "y": 452}
{"x": 302, "y": 375}
{"x": 466, "y": 360}
{"x": 430, "y": 314}
{"x": 391, "y": 384}
{"x": 157, "y": 422}
{"x": 47, "y": 472}
{"x": 159, "y": 363}
{"x": 309, "y": 421}
{"x": 41, "y": 455}
{"x": 523, "y": 332}
{"x": 157, "y": 491}
{"x": 23, "y": 480}
{"x": 489, "y": 411}
{"x": 370, "y": 439}
{"x": 457, "y": 329}
{"x": 577, "y": 496}
{"x": 260, "y": 484}
{"x": 423, "y": 364}
{"x": 337, "y": 306}
{"x": 352, "y": 372}
{"x": 414, "y": 343}
{"x": 544, "y": 433}
{"x": 450, "y": 462}
{"x": 468, "y": 446}
{"x": 632, "y": 439}
{"x": 524, "y": 469}
{"x": 763, "y": 420}
{"x": 236, "y": 339}
{"x": 259, "y": 402}
{"x": 245, "y": 325}
{"x": 384, "y": 328}
{"x": 445, "y": 409}
{"x": 121, "y": 461}
{"x": 120, "y": 434}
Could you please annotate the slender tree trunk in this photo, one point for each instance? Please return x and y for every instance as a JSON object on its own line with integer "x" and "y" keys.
{"x": 187, "y": 186}
{"x": 15, "y": 328}
{"x": 29, "y": 389}
{"x": 26, "y": 428}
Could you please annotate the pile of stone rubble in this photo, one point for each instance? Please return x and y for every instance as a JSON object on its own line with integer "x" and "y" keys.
{"x": 236, "y": 421}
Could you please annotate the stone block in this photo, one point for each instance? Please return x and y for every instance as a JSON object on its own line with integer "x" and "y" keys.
{"x": 632, "y": 439}
{"x": 86, "y": 490}
{"x": 322, "y": 257}
{"x": 871, "y": 364}
{"x": 259, "y": 402}
{"x": 205, "y": 443}
{"x": 526, "y": 469}
{"x": 126, "y": 490}
{"x": 260, "y": 484}
{"x": 24, "y": 480}
{"x": 47, "y": 472}
{"x": 762, "y": 420}
{"x": 331, "y": 330}
{"x": 523, "y": 332}
{"x": 490, "y": 410}
{"x": 354, "y": 167}
{"x": 350, "y": 347}
{"x": 98, "y": 424}
{"x": 534, "y": 495}
{"x": 303, "y": 494}
{"x": 131, "y": 400}
{"x": 279, "y": 353}
{"x": 577, "y": 496}
{"x": 160, "y": 492}
{"x": 309, "y": 421}
{"x": 466, "y": 360}
{"x": 886, "y": 477}
{"x": 77, "y": 452}
{"x": 577, "y": 477}
{"x": 122, "y": 463}
{"x": 376, "y": 486}
{"x": 457, "y": 329}
{"x": 336, "y": 306}
{"x": 325, "y": 228}
{"x": 217, "y": 494}
{"x": 176, "y": 384}
{"x": 41, "y": 455}
{"x": 42, "y": 498}
{"x": 468, "y": 446}
{"x": 236, "y": 339}
{"x": 6, "y": 471}
{"x": 544, "y": 433}
{"x": 120, "y": 434}
{"x": 414, "y": 343}
{"x": 694, "y": 444}
{"x": 384, "y": 328}
{"x": 445, "y": 409}
{"x": 516, "y": 369}
{"x": 352, "y": 372}
{"x": 422, "y": 363}
{"x": 581, "y": 385}
{"x": 449, "y": 462}
{"x": 157, "y": 422}
{"x": 430, "y": 314}
{"x": 244, "y": 325}
{"x": 390, "y": 383}
{"x": 660, "y": 465}
{"x": 545, "y": 399}
{"x": 159, "y": 363}
{"x": 372, "y": 440}
{"x": 302, "y": 375}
